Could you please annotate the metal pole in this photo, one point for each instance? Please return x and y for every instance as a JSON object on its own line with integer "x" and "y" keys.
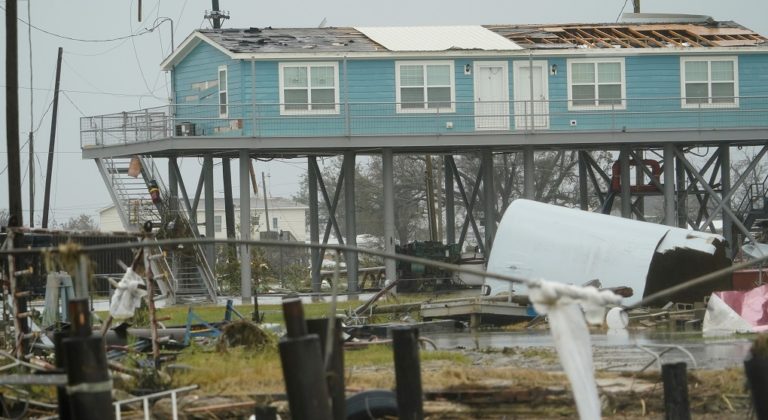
{"x": 583, "y": 189}
{"x": 266, "y": 206}
{"x": 682, "y": 192}
{"x": 431, "y": 200}
{"x": 31, "y": 142}
{"x": 245, "y": 229}
{"x": 528, "y": 173}
{"x": 350, "y": 217}
{"x": 725, "y": 191}
{"x": 52, "y": 142}
{"x": 229, "y": 203}
{"x": 210, "y": 231}
{"x": 314, "y": 223}
{"x": 390, "y": 265}
{"x": 450, "y": 210}
{"x": 12, "y": 114}
{"x": 626, "y": 197}
{"x": 489, "y": 194}
{"x": 669, "y": 185}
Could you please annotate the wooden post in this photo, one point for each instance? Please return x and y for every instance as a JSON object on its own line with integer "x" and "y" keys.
{"x": 303, "y": 367}
{"x": 756, "y": 370}
{"x": 408, "y": 373}
{"x": 89, "y": 386}
{"x": 334, "y": 370}
{"x": 675, "y": 380}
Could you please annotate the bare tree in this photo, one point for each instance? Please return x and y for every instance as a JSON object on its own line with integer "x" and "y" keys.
{"x": 4, "y": 215}
{"x": 81, "y": 222}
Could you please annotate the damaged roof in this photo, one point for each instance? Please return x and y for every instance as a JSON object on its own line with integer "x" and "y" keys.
{"x": 680, "y": 32}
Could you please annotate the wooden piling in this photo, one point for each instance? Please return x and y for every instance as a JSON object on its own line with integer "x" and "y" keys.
{"x": 303, "y": 370}
{"x": 675, "y": 380}
{"x": 756, "y": 370}
{"x": 89, "y": 387}
{"x": 408, "y": 373}
{"x": 334, "y": 370}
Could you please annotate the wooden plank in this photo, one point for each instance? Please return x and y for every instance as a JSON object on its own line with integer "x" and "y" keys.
{"x": 629, "y": 38}
{"x": 666, "y": 38}
{"x": 609, "y": 36}
{"x": 685, "y": 38}
{"x": 645, "y": 37}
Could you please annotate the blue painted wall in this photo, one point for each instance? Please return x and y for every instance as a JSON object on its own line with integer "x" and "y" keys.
{"x": 367, "y": 95}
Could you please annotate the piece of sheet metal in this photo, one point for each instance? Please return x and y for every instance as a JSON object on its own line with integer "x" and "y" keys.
{"x": 537, "y": 240}
{"x": 438, "y": 38}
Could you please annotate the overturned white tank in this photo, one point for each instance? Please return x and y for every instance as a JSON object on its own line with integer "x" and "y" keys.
{"x": 543, "y": 241}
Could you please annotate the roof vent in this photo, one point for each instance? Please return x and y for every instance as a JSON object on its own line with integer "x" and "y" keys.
{"x": 664, "y": 18}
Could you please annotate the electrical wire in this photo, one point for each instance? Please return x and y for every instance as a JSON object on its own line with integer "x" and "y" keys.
{"x": 622, "y": 10}
{"x": 70, "y": 38}
{"x": 73, "y": 104}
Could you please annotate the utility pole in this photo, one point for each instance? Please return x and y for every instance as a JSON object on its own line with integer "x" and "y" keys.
{"x": 31, "y": 142}
{"x": 12, "y": 114}
{"x": 266, "y": 207}
{"x": 636, "y": 4}
{"x": 431, "y": 201}
{"x": 216, "y": 15}
{"x": 52, "y": 143}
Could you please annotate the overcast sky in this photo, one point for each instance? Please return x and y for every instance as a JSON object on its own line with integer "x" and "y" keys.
{"x": 107, "y": 77}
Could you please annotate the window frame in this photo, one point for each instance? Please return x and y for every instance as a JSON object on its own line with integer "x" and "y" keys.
{"x": 218, "y": 223}
{"x": 596, "y": 106}
{"x": 426, "y": 109}
{"x": 308, "y": 65}
{"x": 709, "y": 104}
{"x": 225, "y": 91}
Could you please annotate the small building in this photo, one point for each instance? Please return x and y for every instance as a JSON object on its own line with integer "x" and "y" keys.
{"x": 285, "y": 215}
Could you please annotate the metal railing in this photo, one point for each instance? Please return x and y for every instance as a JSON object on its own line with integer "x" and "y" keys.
{"x": 146, "y": 398}
{"x": 390, "y": 118}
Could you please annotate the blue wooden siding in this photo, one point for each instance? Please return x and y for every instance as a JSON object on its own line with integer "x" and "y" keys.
{"x": 367, "y": 95}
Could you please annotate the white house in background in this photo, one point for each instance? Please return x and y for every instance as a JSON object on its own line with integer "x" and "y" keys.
{"x": 284, "y": 215}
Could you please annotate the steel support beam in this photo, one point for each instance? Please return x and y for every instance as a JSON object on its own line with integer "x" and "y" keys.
{"x": 210, "y": 231}
{"x": 350, "y": 220}
{"x": 450, "y": 205}
{"x": 314, "y": 223}
{"x": 173, "y": 186}
{"x": 682, "y": 192}
{"x": 528, "y": 173}
{"x": 583, "y": 185}
{"x": 469, "y": 204}
{"x": 669, "y": 185}
{"x": 708, "y": 188}
{"x": 245, "y": 227}
{"x": 725, "y": 190}
{"x": 489, "y": 195}
{"x": 626, "y": 197}
{"x": 388, "y": 176}
{"x": 229, "y": 202}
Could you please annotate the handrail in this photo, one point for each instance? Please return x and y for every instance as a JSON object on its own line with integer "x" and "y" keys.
{"x": 145, "y": 402}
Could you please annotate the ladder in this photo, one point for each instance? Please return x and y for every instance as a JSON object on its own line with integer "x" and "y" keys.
{"x": 187, "y": 271}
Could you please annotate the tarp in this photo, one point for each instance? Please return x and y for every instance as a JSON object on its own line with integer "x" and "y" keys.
{"x": 737, "y": 311}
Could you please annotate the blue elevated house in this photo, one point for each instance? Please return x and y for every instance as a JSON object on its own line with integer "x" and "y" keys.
{"x": 652, "y": 83}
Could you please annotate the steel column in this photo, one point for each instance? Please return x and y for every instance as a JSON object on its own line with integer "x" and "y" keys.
{"x": 489, "y": 195}
{"x": 450, "y": 210}
{"x": 245, "y": 226}
{"x": 314, "y": 223}
{"x": 583, "y": 188}
{"x": 626, "y": 198}
{"x": 387, "y": 175}
{"x": 682, "y": 192}
{"x": 173, "y": 186}
{"x": 528, "y": 174}
{"x": 210, "y": 250}
{"x": 229, "y": 203}
{"x": 669, "y": 185}
{"x": 725, "y": 191}
{"x": 350, "y": 219}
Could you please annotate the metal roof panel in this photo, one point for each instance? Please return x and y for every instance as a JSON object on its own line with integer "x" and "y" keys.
{"x": 438, "y": 38}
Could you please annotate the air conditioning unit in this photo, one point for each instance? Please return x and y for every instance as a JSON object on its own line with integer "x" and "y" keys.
{"x": 185, "y": 129}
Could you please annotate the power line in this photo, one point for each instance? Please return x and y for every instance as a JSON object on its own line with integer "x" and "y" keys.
{"x": 86, "y": 92}
{"x": 70, "y": 38}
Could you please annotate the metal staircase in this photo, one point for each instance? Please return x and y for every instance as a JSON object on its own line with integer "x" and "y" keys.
{"x": 754, "y": 205}
{"x": 187, "y": 271}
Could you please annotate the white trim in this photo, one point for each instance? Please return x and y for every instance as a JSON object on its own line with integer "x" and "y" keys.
{"x": 505, "y": 92}
{"x": 532, "y": 64}
{"x": 308, "y": 65}
{"x": 426, "y": 109}
{"x": 596, "y": 106}
{"x": 223, "y": 67}
{"x": 709, "y": 104}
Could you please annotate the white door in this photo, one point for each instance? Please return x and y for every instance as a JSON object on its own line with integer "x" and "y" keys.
{"x": 531, "y": 95}
{"x": 491, "y": 95}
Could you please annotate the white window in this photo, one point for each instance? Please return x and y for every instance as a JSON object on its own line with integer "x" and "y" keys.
{"x": 309, "y": 88}
{"x": 274, "y": 223}
{"x": 217, "y": 223}
{"x": 223, "y": 108}
{"x": 596, "y": 84}
{"x": 709, "y": 82}
{"x": 426, "y": 86}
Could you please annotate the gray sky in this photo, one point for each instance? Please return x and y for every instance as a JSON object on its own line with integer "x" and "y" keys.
{"x": 108, "y": 77}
